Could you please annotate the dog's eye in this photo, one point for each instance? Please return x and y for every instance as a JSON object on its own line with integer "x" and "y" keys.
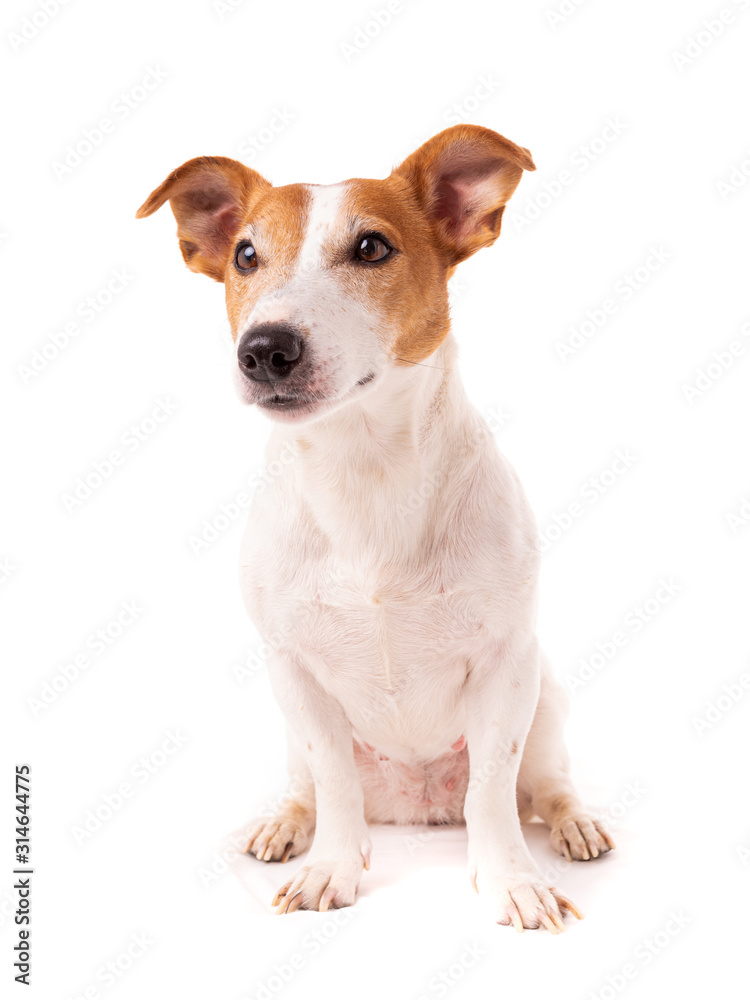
{"x": 245, "y": 258}
{"x": 372, "y": 249}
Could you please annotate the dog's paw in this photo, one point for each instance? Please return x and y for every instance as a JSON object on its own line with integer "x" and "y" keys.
{"x": 319, "y": 886}
{"x": 581, "y": 838}
{"x": 528, "y": 902}
{"x": 278, "y": 838}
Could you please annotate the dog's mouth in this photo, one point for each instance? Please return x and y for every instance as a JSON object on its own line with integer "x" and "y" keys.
{"x": 292, "y": 404}
{"x": 287, "y": 403}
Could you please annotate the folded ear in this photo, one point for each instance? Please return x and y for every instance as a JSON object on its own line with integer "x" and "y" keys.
{"x": 463, "y": 178}
{"x": 209, "y": 196}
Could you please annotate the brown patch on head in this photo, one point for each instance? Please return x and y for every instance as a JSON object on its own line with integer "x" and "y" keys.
{"x": 276, "y": 228}
{"x": 217, "y": 202}
{"x": 441, "y": 205}
{"x": 209, "y": 197}
{"x": 409, "y": 291}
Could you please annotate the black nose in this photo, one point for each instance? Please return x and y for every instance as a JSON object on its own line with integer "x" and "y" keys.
{"x": 268, "y": 352}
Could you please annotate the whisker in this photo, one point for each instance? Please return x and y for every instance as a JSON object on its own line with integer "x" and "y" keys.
{"x": 422, "y": 364}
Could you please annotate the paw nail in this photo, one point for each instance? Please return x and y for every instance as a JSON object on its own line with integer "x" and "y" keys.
{"x": 295, "y": 903}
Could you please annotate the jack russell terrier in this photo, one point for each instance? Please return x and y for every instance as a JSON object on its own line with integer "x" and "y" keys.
{"x": 395, "y": 559}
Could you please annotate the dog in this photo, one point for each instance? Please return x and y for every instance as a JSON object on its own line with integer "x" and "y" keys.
{"x": 394, "y": 560}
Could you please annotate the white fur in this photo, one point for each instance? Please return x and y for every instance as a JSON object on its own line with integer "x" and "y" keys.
{"x": 395, "y": 564}
{"x": 326, "y": 208}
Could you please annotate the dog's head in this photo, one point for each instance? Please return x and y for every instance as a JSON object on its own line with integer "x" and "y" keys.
{"x": 329, "y": 288}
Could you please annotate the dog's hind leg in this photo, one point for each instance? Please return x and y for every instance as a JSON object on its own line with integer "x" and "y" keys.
{"x": 288, "y": 830}
{"x": 544, "y": 779}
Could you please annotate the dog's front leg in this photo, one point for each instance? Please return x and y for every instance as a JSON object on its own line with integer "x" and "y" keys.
{"x": 501, "y": 695}
{"x": 341, "y": 846}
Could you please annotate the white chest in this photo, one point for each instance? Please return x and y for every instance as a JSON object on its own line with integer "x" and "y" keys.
{"x": 395, "y": 656}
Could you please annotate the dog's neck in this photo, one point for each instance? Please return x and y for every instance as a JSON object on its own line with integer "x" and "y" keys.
{"x": 369, "y": 472}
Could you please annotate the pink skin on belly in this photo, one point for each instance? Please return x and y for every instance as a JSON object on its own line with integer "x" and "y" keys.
{"x": 424, "y": 792}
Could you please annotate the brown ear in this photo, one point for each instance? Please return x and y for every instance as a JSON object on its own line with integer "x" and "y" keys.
{"x": 463, "y": 178}
{"x": 209, "y": 197}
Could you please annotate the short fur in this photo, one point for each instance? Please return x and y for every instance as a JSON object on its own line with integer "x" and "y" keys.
{"x": 395, "y": 560}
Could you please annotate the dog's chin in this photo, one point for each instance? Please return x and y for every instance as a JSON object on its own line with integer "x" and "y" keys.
{"x": 289, "y": 409}
{"x": 297, "y": 406}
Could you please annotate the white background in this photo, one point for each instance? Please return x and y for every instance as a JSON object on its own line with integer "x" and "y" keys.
{"x": 231, "y": 74}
